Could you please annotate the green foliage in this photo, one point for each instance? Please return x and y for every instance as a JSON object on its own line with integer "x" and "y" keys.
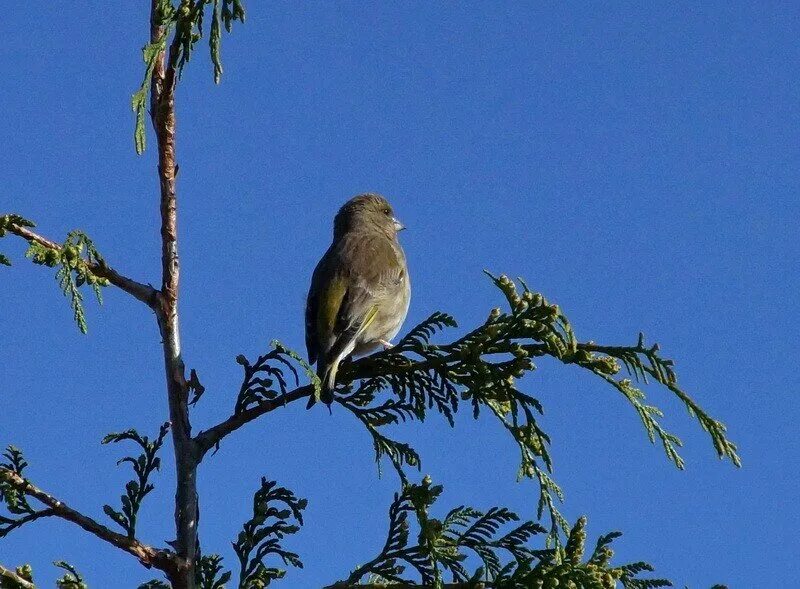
{"x": 482, "y": 369}
{"x": 184, "y": 23}
{"x": 24, "y": 572}
{"x": 264, "y": 380}
{"x": 75, "y": 260}
{"x": 642, "y": 362}
{"x": 71, "y": 579}
{"x": 261, "y": 536}
{"x": 154, "y": 584}
{"x": 507, "y": 560}
{"x": 6, "y": 221}
{"x": 209, "y": 573}
{"x": 150, "y": 55}
{"x": 16, "y": 503}
{"x": 143, "y": 466}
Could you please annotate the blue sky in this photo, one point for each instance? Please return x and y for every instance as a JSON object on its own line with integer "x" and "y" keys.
{"x": 637, "y": 163}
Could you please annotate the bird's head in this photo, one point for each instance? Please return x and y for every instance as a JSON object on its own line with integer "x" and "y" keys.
{"x": 368, "y": 212}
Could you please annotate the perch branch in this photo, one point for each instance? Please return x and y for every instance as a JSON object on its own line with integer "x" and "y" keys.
{"x": 210, "y": 438}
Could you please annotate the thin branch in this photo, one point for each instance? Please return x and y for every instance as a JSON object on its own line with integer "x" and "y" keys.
{"x": 142, "y": 292}
{"x": 13, "y": 524}
{"x": 15, "y": 578}
{"x": 147, "y": 555}
{"x": 210, "y": 438}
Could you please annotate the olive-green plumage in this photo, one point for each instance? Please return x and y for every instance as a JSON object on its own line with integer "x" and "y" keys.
{"x": 360, "y": 289}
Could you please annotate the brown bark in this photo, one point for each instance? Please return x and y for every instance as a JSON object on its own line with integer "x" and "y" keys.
{"x": 147, "y": 555}
{"x": 142, "y": 292}
{"x": 186, "y": 502}
{"x": 15, "y": 578}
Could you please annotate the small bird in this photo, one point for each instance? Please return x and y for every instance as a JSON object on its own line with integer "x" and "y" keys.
{"x": 360, "y": 289}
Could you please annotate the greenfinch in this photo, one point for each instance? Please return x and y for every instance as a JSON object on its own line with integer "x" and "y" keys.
{"x": 360, "y": 289}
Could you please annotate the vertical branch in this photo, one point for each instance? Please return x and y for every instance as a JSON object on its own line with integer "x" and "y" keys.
{"x": 163, "y": 116}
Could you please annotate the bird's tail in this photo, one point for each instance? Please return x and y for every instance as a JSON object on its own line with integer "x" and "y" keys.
{"x": 327, "y": 374}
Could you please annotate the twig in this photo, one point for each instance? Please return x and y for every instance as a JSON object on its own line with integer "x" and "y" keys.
{"x": 209, "y": 438}
{"x": 142, "y": 292}
{"x": 30, "y": 517}
{"x": 15, "y": 578}
{"x": 147, "y": 555}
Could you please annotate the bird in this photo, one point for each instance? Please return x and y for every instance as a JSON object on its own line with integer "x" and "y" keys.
{"x": 360, "y": 289}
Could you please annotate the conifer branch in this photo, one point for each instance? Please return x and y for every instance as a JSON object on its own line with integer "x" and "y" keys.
{"x": 147, "y": 555}
{"x": 142, "y": 292}
{"x": 507, "y": 558}
{"x": 14, "y": 579}
{"x": 210, "y": 438}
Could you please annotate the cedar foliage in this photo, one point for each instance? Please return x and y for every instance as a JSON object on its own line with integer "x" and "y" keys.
{"x": 475, "y": 374}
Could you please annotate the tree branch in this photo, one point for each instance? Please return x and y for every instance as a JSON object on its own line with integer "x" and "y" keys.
{"x": 13, "y": 524}
{"x": 15, "y": 578}
{"x": 142, "y": 292}
{"x": 363, "y": 368}
{"x": 210, "y": 438}
{"x": 147, "y": 555}
{"x": 163, "y": 118}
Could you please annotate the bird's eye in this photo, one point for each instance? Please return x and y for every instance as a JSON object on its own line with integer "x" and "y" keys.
{"x": 387, "y": 211}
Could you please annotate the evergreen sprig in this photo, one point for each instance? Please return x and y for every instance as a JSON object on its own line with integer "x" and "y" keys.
{"x": 154, "y": 584}
{"x": 262, "y": 534}
{"x": 74, "y": 260}
{"x": 5, "y": 223}
{"x": 508, "y": 561}
{"x": 20, "y": 510}
{"x": 16, "y": 502}
{"x": 150, "y": 55}
{"x": 482, "y": 368}
{"x": 71, "y": 579}
{"x": 643, "y": 363}
{"x": 143, "y": 466}
{"x": 183, "y": 23}
{"x": 265, "y": 380}
{"x": 209, "y": 572}
{"x": 24, "y": 572}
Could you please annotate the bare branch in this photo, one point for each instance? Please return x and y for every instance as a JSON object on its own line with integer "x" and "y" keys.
{"x": 210, "y": 438}
{"x": 142, "y": 292}
{"x": 15, "y": 578}
{"x": 147, "y": 555}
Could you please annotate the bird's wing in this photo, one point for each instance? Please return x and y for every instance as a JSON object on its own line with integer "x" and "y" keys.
{"x": 372, "y": 270}
{"x": 312, "y": 342}
{"x": 328, "y": 288}
{"x": 347, "y": 288}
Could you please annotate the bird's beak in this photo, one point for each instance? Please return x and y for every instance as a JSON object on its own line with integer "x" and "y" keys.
{"x": 398, "y": 226}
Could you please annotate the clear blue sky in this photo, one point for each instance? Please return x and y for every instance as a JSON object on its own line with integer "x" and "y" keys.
{"x": 640, "y": 166}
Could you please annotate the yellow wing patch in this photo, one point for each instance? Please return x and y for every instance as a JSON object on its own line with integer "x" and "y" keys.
{"x": 328, "y": 305}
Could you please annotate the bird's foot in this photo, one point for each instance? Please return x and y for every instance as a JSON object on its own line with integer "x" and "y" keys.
{"x": 386, "y": 345}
